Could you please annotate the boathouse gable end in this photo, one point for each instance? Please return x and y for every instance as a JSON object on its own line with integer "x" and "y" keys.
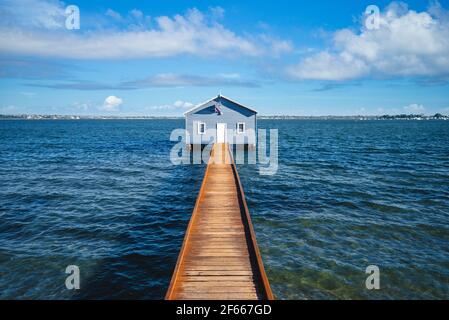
{"x": 221, "y": 120}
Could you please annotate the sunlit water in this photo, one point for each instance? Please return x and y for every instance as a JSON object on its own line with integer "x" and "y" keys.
{"x": 104, "y": 195}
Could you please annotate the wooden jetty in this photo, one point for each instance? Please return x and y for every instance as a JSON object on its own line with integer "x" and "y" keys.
{"x": 219, "y": 258}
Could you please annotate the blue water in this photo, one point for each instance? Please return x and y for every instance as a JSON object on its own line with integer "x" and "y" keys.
{"x": 104, "y": 195}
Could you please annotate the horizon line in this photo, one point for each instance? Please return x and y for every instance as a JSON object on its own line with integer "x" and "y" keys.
{"x": 22, "y": 115}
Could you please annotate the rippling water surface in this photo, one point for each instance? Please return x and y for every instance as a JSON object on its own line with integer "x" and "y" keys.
{"x": 103, "y": 195}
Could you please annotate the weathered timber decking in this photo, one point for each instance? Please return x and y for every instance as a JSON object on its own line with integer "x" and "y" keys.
{"x": 219, "y": 258}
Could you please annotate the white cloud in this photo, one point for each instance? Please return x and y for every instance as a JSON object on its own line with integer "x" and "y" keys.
{"x": 9, "y": 108}
{"x": 326, "y": 66}
{"x": 114, "y": 15}
{"x": 414, "y": 107}
{"x": 158, "y": 80}
{"x": 82, "y": 106}
{"x": 229, "y": 75}
{"x": 194, "y": 33}
{"x": 177, "y": 105}
{"x": 408, "y": 43}
{"x": 111, "y": 104}
{"x": 137, "y": 14}
{"x": 33, "y": 14}
{"x": 177, "y": 80}
{"x": 277, "y": 46}
{"x": 217, "y": 12}
{"x": 183, "y": 104}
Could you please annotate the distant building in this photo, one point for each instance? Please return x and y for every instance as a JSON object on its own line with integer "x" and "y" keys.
{"x": 221, "y": 120}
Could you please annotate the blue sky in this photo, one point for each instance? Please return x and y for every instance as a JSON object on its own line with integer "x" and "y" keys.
{"x": 279, "y": 57}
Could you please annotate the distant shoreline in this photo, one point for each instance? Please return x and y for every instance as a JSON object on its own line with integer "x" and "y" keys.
{"x": 282, "y": 117}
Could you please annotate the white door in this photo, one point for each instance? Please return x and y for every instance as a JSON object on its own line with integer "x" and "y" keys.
{"x": 221, "y": 132}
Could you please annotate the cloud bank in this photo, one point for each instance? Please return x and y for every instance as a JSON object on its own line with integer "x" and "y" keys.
{"x": 177, "y": 105}
{"x": 30, "y": 27}
{"x": 161, "y": 80}
{"x": 407, "y": 44}
{"x": 415, "y": 108}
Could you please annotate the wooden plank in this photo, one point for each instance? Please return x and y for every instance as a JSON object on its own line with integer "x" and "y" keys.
{"x": 233, "y": 284}
{"x": 195, "y": 290}
{"x": 195, "y": 260}
{"x": 219, "y": 249}
{"x": 215, "y": 279}
{"x": 216, "y": 296}
{"x": 218, "y": 268}
{"x": 219, "y": 273}
{"x": 224, "y": 247}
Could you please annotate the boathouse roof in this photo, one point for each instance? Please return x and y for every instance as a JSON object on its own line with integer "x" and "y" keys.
{"x": 199, "y": 106}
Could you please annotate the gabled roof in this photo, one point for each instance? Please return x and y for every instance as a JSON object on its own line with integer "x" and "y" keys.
{"x": 198, "y": 106}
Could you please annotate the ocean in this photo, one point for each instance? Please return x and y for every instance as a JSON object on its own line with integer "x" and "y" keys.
{"x": 104, "y": 195}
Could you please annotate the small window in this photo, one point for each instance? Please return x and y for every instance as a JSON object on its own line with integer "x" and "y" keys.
{"x": 241, "y": 127}
{"x": 201, "y": 128}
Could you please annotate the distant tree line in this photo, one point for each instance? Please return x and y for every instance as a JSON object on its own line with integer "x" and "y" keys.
{"x": 413, "y": 116}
